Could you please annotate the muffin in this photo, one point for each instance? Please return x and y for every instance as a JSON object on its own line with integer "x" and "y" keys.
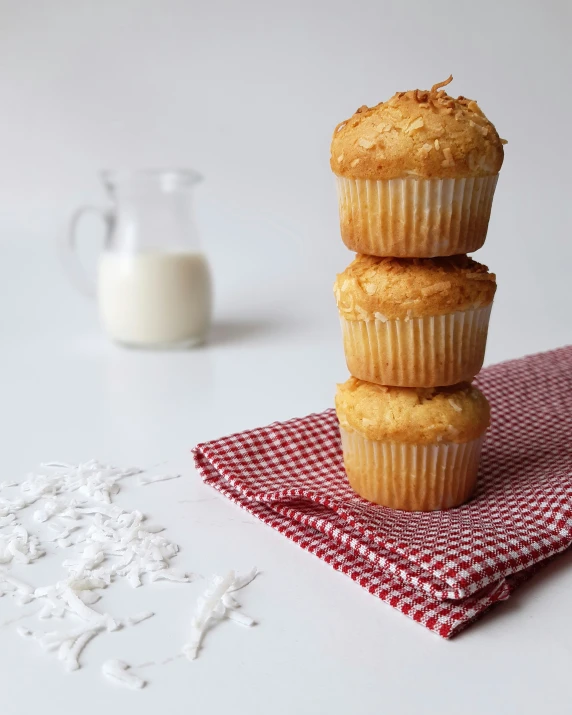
{"x": 415, "y": 322}
{"x": 416, "y": 175}
{"x": 410, "y": 448}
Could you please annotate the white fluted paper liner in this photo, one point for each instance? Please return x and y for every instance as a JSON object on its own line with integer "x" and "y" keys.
{"x": 415, "y": 217}
{"x": 411, "y": 477}
{"x": 419, "y": 352}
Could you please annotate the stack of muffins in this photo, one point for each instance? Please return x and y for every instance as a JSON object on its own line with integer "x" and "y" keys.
{"x": 416, "y": 177}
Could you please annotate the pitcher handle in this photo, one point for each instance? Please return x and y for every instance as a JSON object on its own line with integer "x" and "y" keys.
{"x": 77, "y": 272}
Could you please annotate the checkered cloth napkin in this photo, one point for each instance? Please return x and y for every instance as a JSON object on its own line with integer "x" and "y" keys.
{"x": 443, "y": 569}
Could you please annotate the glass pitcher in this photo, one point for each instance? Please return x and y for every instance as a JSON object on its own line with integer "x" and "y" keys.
{"x": 153, "y": 281}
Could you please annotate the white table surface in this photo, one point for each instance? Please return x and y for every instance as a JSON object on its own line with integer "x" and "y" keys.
{"x": 322, "y": 644}
{"x": 248, "y": 93}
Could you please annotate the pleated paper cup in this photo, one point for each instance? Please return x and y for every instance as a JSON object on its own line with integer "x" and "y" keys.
{"x": 415, "y": 217}
{"x": 432, "y": 351}
{"x": 411, "y": 477}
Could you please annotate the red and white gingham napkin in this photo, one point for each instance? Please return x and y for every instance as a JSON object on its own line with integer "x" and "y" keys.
{"x": 443, "y": 569}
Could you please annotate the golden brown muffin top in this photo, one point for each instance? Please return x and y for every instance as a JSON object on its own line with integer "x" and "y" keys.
{"x": 417, "y": 133}
{"x": 459, "y": 413}
{"x": 403, "y": 288}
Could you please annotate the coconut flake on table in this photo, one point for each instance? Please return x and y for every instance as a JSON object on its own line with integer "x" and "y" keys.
{"x": 105, "y": 543}
{"x": 215, "y": 604}
{"x": 139, "y": 618}
{"x": 69, "y": 645}
{"x": 119, "y": 673}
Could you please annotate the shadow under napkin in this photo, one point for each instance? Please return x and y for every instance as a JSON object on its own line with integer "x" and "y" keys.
{"x": 443, "y": 569}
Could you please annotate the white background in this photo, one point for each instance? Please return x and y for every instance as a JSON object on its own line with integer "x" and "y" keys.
{"x": 248, "y": 93}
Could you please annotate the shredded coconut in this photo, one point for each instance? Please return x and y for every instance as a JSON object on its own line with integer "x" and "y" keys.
{"x": 103, "y": 543}
{"x": 119, "y": 673}
{"x": 139, "y": 617}
{"x": 243, "y": 581}
{"x": 215, "y": 604}
{"x": 415, "y": 125}
{"x": 439, "y": 287}
{"x": 361, "y": 313}
{"x": 70, "y": 651}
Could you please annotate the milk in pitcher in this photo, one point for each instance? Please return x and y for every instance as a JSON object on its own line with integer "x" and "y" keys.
{"x": 150, "y": 299}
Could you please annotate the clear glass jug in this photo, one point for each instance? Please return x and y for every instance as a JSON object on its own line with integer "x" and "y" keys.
{"x": 153, "y": 283}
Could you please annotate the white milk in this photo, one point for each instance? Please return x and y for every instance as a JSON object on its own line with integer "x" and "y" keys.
{"x": 153, "y": 299}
